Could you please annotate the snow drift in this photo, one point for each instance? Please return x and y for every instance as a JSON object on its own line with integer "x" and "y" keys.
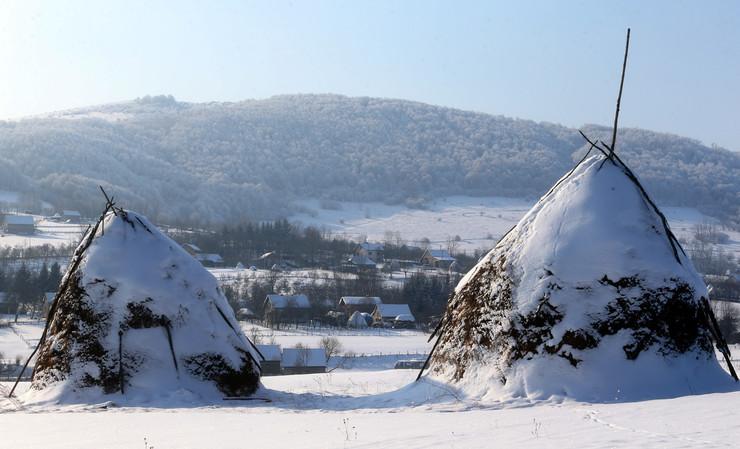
{"x": 136, "y": 316}
{"x": 589, "y": 296}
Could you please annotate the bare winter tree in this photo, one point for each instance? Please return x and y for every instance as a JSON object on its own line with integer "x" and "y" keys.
{"x": 332, "y": 346}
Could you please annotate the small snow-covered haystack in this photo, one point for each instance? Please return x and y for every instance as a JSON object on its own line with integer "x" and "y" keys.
{"x": 137, "y": 316}
{"x": 589, "y": 296}
{"x": 357, "y": 320}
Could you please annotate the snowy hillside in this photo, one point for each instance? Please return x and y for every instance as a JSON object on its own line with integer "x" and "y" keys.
{"x": 223, "y": 162}
{"x": 479, "y": 221}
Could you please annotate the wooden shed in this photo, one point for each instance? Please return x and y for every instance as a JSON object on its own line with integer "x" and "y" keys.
{"x": 271, "y": 365}
{"x": 304, "y": 360}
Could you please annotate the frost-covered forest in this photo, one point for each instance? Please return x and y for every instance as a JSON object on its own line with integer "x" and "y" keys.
{"x": 214, "y": 163}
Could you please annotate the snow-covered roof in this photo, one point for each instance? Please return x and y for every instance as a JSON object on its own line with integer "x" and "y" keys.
{"x": 245, "y": 311}
{"x": 209, "y": 257}
{"x": 372, "y": 246}
{"x": 271, "y": 353}
{"x": 288, "y": 301}
{"x": 359, "y": 300}
{"x": 19, "y": 220}
{"x": 441, "y": 254}
{"x": 194, "y": 248}
{"x": 393, "y": 310}
{"x": 266, "y": 255}
{"x": 361, "y": 260}
{"x": 296, "y": 357}
{"x": 71, "y": 213}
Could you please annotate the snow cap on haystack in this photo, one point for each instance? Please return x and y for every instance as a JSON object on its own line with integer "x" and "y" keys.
{"x": 137, "y": 316}
{"x": 589, "y": 296}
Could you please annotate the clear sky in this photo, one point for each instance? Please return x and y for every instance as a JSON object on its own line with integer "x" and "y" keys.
{"x": 556, "y": 61}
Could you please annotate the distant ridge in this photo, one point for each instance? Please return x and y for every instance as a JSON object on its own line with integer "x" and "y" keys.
{"x": 215, "y": 163}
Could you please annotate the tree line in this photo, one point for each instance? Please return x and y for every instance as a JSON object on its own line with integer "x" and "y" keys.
{"x": 24, "y": 287}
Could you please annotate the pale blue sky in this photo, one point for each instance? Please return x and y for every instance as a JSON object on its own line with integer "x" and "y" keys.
{"x": 555, "y": 61}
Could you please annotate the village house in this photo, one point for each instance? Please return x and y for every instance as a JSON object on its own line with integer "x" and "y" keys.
{"x": 71, "y": 216}
{"x": 19, "y": 224}
{"x": 362, "y": 304}
{"x": 374, "y": 251}
{"x": 438, "y": 258}
{"x": 304, "y": 360}
{"x": 388, "y": 313}
{"x": 280, "y": 309}
{"x": 359, "y": 263}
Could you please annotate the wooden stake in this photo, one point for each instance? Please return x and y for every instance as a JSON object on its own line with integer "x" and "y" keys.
{"x": 619, "y": 98}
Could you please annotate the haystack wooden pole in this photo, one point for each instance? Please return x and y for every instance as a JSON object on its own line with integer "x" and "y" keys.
{"x": 619, "y": 97}
{"x": 74, "y": 263}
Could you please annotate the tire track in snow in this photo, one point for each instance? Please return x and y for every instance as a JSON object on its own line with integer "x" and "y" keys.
{"x": 592, "y": 416}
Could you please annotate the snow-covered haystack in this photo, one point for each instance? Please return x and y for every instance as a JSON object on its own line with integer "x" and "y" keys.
{"x": 137, "y": 317}
{"x": 357, "y": 320}
{"x": 589, "y": 296}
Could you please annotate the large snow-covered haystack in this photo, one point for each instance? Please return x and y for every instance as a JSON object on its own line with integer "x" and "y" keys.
{"x": 589, "y": 296}
{"x": 138, "y": 316}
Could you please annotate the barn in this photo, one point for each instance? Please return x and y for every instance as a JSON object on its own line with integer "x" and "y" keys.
{"x": 362, "y": 304}
{"x": 387, "y": 313}
{"x": 19, "y": 224}
{"x": 281, "y": 309}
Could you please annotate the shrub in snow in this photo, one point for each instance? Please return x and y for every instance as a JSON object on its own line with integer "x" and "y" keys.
{"x": 589, "y": 296}
{"x": 137, "y": 315}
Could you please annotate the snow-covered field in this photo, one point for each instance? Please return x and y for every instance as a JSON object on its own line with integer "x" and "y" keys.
{"x": 360, "y": 342}
{"x": 479, "y": 221}
{"x": 360, "y": 408}
{"x": 47, "y": 233}
{"x": 19, "y": 340}
{"x": 378, "y": 410}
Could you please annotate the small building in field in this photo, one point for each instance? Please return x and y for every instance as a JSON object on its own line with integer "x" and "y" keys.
{"x": 19, "y": 224}
{"x": 438, "y": 258}
{"x": 269, "y": 259}
{"x": 210, "y": 259}
{"x": 387, "y": 313}
{"x": 304, "y": 360}
{"x": 192, "y": 248}
{"x": 71, "y": 216}
{"x": 374, "y": 251}
{"x": 206, "y": 259}
{"x": 352, "y": 304}
{"x": 281, "y": 309}
{"x": 271, "y": 365}
{"x": 245, "y": 313}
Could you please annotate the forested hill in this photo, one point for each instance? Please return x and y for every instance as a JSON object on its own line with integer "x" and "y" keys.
{"x": 212, "y": 163}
